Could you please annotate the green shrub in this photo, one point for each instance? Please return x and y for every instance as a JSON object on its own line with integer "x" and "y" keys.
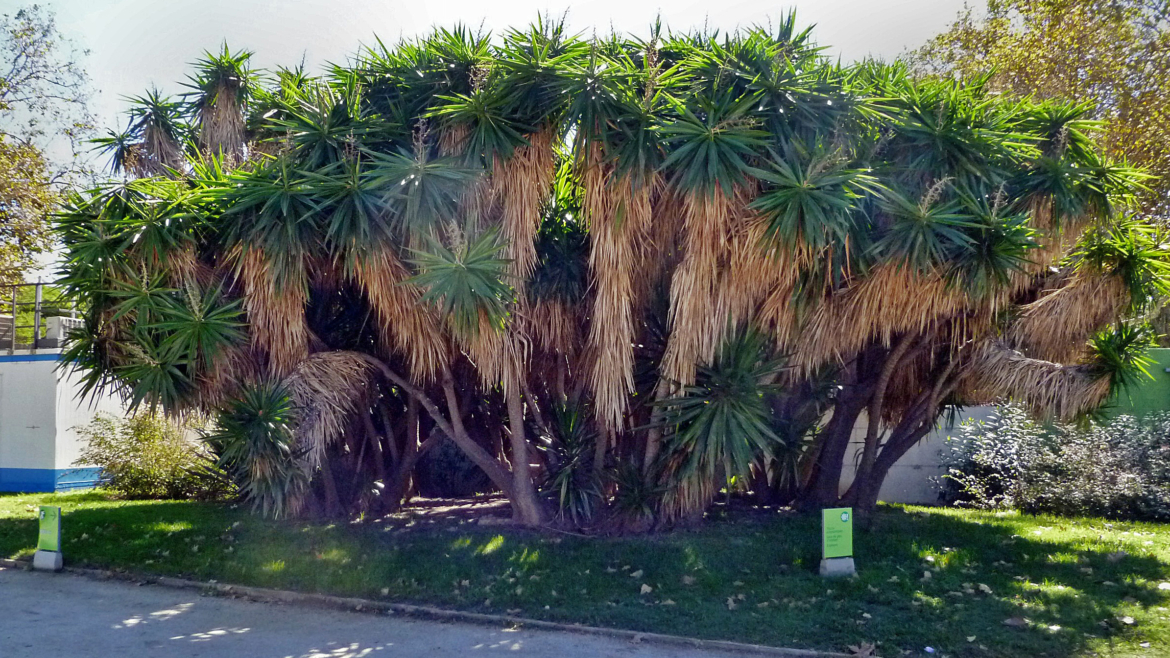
{"x": 1116, "y": 469}
{"x": 258, "y": 451}
{"x": 572, "y": 483}
{"x": 148, "y": 456}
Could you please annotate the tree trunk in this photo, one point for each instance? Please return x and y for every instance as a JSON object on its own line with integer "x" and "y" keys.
{"x": 400, "y": 487}
{"x": 917, "y": 423}
{"x": 332, "y": 500}
{"x": 654, "y": 434}
{"x": 530, "y": 401}
{"x": 562, "y": 368}
{"x": 762, "y": 489}
{"x": 526, "y": 507}
{"x": 824, "y": 489}
{"x": 458, "y": 433}
{"x": 866, "y": 491}
{"x": 876, "y": 407}
{"x": 379, "y": 452}
{"x": 601, "y": 446}
{"x": 397, "y": 486}
{"x": 453, "y": 426}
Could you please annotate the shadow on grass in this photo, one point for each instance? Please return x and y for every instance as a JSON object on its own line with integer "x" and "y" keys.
{"x": 1063, "y": 587}
{"x": 747, "y": 577}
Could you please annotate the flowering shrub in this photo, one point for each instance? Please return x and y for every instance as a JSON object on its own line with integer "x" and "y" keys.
{"x": 1117, "y": 469}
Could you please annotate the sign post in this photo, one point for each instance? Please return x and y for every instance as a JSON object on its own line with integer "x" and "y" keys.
{"x": 837, "y": 542}
{"x": 48, "y": 555}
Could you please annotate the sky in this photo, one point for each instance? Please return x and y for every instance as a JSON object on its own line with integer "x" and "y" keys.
{"x": 136, "y": 44}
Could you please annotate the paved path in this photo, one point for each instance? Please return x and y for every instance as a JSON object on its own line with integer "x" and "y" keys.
{"x": 47, "y": 615}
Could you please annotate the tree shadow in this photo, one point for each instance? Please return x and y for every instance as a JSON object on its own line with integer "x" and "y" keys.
{"x": 1037, "y": 585}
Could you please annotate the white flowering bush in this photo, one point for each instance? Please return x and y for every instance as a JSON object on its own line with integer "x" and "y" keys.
{"x": 1118, "y": 468}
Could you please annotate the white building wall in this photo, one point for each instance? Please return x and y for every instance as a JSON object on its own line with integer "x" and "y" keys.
{"x": 73, "y": 412}
{"x": 28, "y": 421}
{"x": 915, "y": 479}
{"x": 39, "y": 413}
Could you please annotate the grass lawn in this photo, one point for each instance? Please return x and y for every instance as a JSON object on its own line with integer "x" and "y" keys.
{"x": 946, "y": 579}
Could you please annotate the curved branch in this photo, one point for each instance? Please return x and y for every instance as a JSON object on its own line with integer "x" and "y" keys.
{"x": 453, "y": 427}
{"x": 869, "y": 450}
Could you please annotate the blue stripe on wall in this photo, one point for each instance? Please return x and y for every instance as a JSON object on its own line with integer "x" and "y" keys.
{"x": 17, "y": 358}
{"x": 44, "y": 480}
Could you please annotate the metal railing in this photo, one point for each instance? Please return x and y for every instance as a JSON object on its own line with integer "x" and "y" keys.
{"x": 28, "y": 322}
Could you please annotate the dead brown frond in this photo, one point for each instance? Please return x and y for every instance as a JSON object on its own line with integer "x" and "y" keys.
{"x": 1056, "y": 234}
{"x": 221, "y": 124}
{"x": 695, "y": 329}
{"x": 619, "y": 215}
{"x": 928, "y": 357}
{"x": 522, "y": 181}
{"x": 404, "y": 325}
{"x": 1053, "y": 245}
{"x": 758, "y": 281}
{"x": 553, "y": 326}
{"x": 662, "y": 246}
{"x": 1057, "y": 326}
{"x": 182, "y": 266}
{"x": 557, "y": 332}
{"x": 686, "y": 498}
{"x": 1052, "y": 390}
{"x": 500, "y": 354}
{"x": 778, "y": 316}
{"x": 479, "y": 201}
{"x": 275, "y": 309}
{"x": 162, "y": 153}
{"x": 453, "y": 138}
{"x": 908, "y": 381}
{"x": 893, "y": 299}
{"x": 230, "y": 368}
{"x": 487, "y": 348}
{"x": 327, "y": 388}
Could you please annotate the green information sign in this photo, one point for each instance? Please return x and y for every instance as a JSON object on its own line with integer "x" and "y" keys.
{"x": 838, "y": 532}
{"x": 50, "y": 537}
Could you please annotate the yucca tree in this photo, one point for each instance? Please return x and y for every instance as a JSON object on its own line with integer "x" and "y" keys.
{"x": 618, "y": 91}
{"x": 677, "y": 253}
{"x": 154, "y": 140}
{"x": 950, "y": 263}
{"x": 723, "y": 422}
{"x": 219, "y": 97}
{"x": 509, "y": 122}
{"x": 119, "y": 147}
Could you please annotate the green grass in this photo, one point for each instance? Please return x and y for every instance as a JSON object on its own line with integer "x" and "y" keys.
{"x": 750, "y": 578}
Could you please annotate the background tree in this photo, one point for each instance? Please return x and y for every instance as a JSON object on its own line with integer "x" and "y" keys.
{"x": 43, "y": 93}
{"x": 27, "y": 200}
{"x": 1112, "y": 54}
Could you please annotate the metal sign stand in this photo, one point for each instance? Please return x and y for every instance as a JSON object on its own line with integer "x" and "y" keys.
{"x": 837, "y": 542}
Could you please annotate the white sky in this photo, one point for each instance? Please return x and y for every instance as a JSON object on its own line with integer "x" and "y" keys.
{"x": 134, "y": 44}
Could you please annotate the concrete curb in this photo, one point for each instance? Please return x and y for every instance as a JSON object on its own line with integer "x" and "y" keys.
{"x": 264, "y": 595}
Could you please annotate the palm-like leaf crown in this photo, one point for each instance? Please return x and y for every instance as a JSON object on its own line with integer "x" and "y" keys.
{"x": 723, "y": 419}
{"x": 220, "y": 91}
